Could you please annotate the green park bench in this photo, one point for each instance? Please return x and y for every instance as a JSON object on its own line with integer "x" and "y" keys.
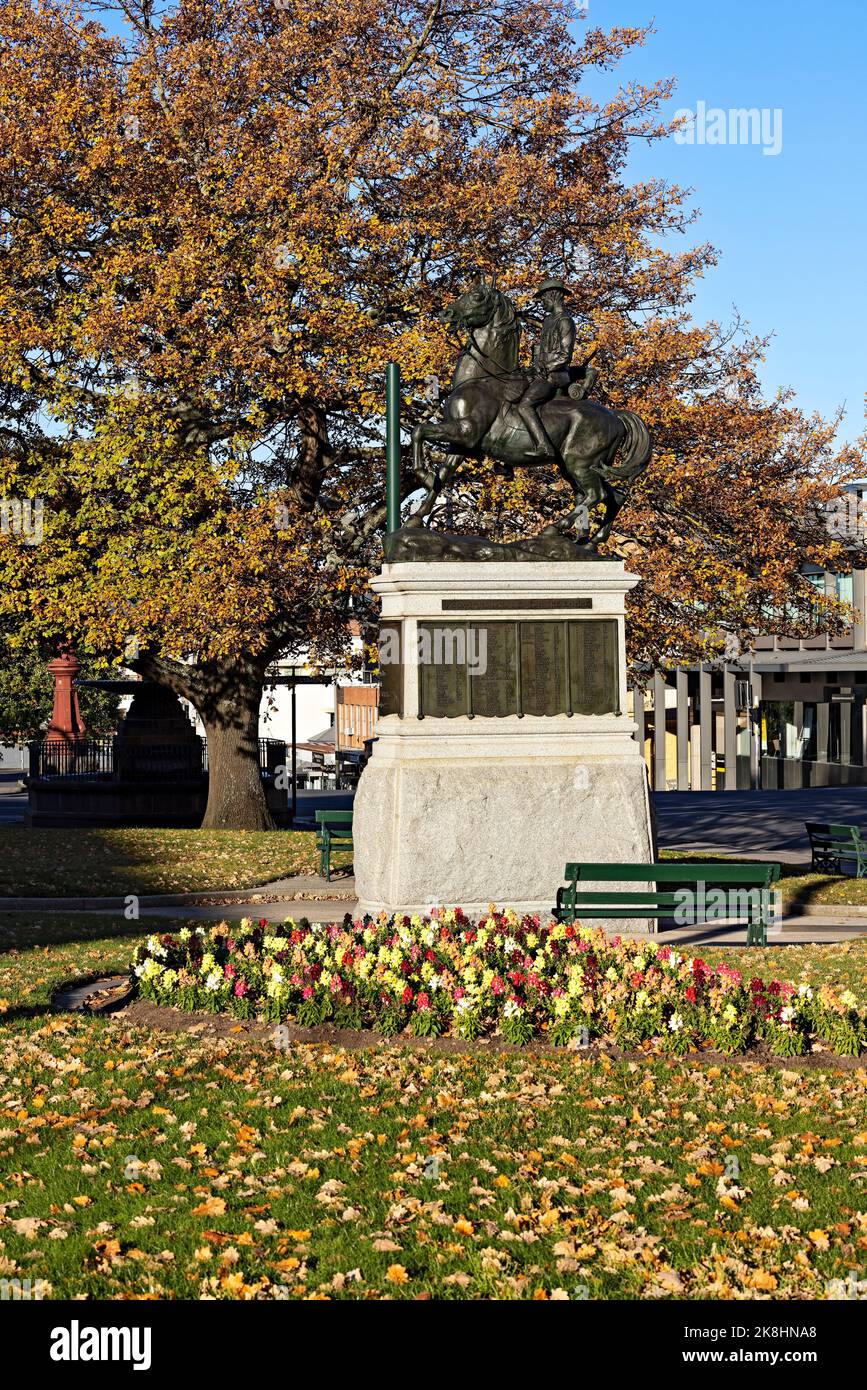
{"x": 748, "y": 892}
{"x": 835, "y": 846}
{"x": 334, "y": 829}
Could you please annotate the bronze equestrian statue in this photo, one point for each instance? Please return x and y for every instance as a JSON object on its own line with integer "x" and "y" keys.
{"x": 496, "y": 409}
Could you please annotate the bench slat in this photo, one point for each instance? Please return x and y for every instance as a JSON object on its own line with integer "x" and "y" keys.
{"x": 675, "y": 871}
{"x": 648, "y": 899}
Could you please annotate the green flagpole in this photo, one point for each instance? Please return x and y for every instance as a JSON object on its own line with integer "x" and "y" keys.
{"x": 392, "y": 447}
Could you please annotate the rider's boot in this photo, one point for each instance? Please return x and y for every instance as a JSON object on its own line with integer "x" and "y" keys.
{"x": 542, "y": 447}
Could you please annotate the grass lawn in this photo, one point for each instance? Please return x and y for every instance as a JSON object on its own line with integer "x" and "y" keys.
{"x": 797, "y": 884}
{"x": 140, "y": 1164}
{"x": 57, "y": 863}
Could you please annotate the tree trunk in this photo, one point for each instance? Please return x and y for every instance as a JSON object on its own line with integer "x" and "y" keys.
{"x": 227, "y": 694}
{"x": 236, "y": 795}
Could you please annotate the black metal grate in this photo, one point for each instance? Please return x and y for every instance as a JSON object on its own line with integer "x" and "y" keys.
{"x": 103, "y": 759}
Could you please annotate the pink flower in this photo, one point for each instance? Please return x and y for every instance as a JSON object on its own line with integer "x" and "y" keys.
{"x": 241, "y": 988}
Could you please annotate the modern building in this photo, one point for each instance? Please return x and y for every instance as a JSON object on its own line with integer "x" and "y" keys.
{"x": 790, "y": 713}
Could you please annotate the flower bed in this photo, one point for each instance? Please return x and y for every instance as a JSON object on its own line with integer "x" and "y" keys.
{"x": 519, "y": 979}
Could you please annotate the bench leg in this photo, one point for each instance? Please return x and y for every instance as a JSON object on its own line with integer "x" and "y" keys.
{"x": 325, "y": 857}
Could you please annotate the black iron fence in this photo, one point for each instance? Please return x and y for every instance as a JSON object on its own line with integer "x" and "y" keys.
{"x": 109, "y": 759}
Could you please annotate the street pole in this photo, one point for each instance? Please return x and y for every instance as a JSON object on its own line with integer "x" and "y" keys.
{"x": 392, "y": 447}
{"x": 294, "y": 759}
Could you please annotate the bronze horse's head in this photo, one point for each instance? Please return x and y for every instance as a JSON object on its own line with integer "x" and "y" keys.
{"x": 474, "y": 307}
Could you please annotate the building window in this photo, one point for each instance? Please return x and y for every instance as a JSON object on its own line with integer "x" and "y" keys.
{"x": 843, "y": 586}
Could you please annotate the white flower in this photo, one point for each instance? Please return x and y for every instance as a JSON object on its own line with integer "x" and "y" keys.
{"x": 214, "y": 980}
{"x": 511, "y": 1009}
{"x": 675, "y": 1023}
{"x": 787, "y": 1014}
{"x": 805, "y": 991}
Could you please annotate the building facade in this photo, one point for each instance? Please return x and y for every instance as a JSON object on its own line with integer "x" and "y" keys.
{"x": 790, "y": 713}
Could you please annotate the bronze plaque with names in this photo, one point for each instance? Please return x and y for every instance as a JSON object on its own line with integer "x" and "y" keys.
{"x": 442, "y": 670}
{"x": 494, "y": 672}
{"x": 497, "y": 668}
{"x": 391, "y": 669}
{"x": 593, "y": 666}
{"x": 543, "y": 668}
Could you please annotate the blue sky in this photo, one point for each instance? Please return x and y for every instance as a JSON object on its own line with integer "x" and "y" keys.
{"x": 790, "y": 228}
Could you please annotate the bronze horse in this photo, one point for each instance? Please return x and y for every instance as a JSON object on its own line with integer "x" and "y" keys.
{"x": 478, "y": 420}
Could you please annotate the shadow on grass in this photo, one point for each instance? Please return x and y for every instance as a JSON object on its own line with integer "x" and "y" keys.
{"x": 809, "y": 891}
{"x": 117, "y": 862}
{"x": 26, "y": 931}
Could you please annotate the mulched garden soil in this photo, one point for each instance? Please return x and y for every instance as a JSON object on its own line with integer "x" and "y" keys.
{"x": 144, "y": 1013}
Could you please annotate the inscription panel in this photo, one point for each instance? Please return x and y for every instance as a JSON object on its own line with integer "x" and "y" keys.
{"x": 494, "y": 674}
{"x": 391, "y": 669}
{"x": 442, "y": 672}
{"x": 500, "y": 668}
{"x": 594, "y": 677}
{"x": 543, "y": 668}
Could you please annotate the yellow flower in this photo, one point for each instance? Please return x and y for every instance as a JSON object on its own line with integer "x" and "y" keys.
{"x": 396, "y": 1274}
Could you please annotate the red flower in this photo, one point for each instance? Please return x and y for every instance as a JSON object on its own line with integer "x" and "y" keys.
{"x": 407, "y": 995}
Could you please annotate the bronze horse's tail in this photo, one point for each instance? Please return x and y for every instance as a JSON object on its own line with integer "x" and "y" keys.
{"x": 635, "y": 453}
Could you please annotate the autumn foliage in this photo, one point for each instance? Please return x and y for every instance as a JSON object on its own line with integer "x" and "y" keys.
{"x": 221, "y": 220}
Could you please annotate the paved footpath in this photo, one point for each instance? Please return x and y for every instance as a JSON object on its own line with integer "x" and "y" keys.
{"x": 707, "y": 822}
{"x": 310, "y": 896}
{"x": 757, "y": 825}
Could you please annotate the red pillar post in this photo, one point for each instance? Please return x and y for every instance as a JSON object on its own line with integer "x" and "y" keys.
{"x": 66, "y": 725}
